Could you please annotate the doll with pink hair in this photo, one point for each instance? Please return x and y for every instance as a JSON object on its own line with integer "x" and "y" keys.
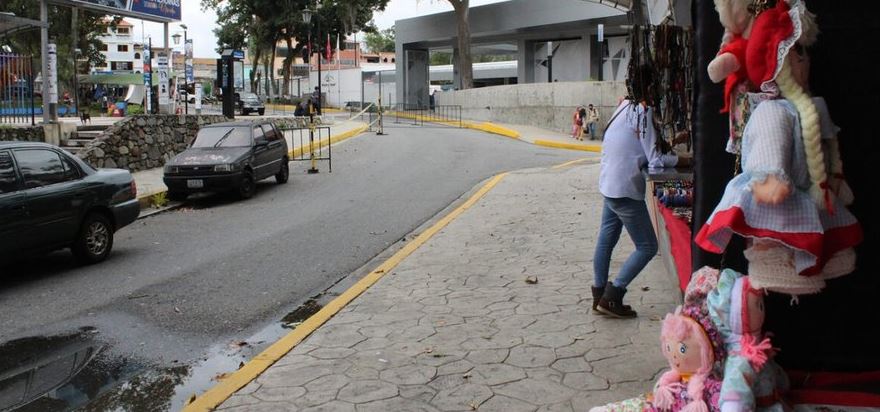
{"x": 694, "y": 349}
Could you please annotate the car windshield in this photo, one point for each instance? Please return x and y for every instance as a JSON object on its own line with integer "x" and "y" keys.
{"x": 231, "y": 136}
{"x": 249, "y": 96}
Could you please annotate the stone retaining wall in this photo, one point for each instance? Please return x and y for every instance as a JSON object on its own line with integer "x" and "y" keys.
{"x": 145, "y": 141}
{"x": 22, "y": 133}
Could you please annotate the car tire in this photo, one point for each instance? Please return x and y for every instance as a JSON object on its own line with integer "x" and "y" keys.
{"x": 248, "y": 186}
{"x": 177, "y": 196}
{"x": 94, "y": 241}
{"x": 262, "y": 112}
{"x": 245, "y": 112}
{"x": 283, "y": 175}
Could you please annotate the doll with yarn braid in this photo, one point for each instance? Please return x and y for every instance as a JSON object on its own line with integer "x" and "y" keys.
{"x": 752, "y": 380}
{"x": 798, "y": 230}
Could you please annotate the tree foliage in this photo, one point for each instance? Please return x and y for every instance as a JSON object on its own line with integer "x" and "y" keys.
{"x": 380, "y": 41}
{"x": 260, "y": 25}
{"x": 89, "y": 27}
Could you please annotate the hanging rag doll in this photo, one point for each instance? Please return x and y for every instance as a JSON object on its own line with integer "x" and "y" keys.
{"x": 752, "y": 380}
{"x": 789, "y": 202}
{"x": 694, "y": 349}
{"x": 729, "y": 65}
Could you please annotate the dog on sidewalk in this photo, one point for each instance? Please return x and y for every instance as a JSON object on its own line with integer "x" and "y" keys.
{"x": 85, "y": 116}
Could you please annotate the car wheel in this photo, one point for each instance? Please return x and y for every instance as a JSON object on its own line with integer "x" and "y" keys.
{"x": 283, "y": 175}
{"x": 245, "y": 112}
{"x": 177, "y": 196}
{"x": 248, "y": 186}
{"x": 95, "y": 239}
{"x": 261, "y": 112}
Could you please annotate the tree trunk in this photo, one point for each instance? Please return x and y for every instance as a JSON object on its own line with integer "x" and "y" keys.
{"x": 272, "y": 90}
{"x": 465, "y": 61}
{"x": 288, "y": 62}
{"x": 255, "y": 64}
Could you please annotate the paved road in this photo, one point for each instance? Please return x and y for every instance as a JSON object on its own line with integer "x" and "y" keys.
{"x": 182, "y": 284}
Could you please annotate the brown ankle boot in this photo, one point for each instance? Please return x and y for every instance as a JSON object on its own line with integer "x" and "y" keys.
{"x": 611, "y": 303}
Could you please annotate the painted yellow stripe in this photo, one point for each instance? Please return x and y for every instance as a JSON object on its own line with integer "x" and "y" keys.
{"x": 570, "y": 146}
{"x": 297, "y": 152}
{"x": 573, "y": 162}
{"x": 256, "y": 366}
{"x": 483, "y": 127}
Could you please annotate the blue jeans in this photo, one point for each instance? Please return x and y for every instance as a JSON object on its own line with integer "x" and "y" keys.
{"x": 592, "y": 130}
{"x": 633, "y": 215}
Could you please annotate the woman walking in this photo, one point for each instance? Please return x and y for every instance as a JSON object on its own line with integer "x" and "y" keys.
{"x": 630, "y": 144}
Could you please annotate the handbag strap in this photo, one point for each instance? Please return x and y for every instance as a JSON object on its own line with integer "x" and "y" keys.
{"x": 615, "y": 117}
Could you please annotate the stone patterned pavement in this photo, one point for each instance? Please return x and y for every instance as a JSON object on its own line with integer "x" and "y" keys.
{"x": 455, "y": 327}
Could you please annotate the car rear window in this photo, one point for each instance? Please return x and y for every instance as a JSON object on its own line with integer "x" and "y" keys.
{"x": 41, "y": 167}
{"x": 232, "y": 136}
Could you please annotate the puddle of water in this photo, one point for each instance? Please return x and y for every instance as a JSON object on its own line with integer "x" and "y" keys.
{"x": 298, "y": 316}
{"x": 78, "y": 371}
{"x": 66, "y": 372}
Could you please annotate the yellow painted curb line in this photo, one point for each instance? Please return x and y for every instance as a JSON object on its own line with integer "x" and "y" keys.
{"x": 256, "y": 366}
{"x": 495, "y": 129}
{"x": 303, "y": 150}
{"x": 483, "y": 127}
{"x": 571, "y": 146}
{"x": 573, "y": 162}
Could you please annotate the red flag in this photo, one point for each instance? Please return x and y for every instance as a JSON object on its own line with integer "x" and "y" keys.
{"x": 328, "y": 51}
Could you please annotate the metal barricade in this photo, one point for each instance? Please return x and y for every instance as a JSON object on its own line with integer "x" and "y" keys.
{"x": 310, "y": 144}
{"x": 415, "y": 115}
{"x": 17, "y": 103}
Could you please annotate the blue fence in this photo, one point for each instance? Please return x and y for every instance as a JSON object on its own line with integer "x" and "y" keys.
{"x": 17, "y": 97}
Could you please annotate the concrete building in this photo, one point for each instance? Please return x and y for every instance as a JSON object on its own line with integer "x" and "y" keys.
{"x": 529, "y": 28}
{"x": 122, "y": 54}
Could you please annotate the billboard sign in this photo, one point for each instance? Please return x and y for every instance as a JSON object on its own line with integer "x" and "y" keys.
{"x": 166, "y": 9}
{"x": 148, "y": 78}
{"x": 164, "y": 92}
{"x": 188, "y": 61}
{"x": 52, "y": 71}
{"x": 152, "y": 10}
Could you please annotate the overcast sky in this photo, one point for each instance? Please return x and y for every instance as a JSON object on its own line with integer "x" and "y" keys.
{"x": 202, "y": 23}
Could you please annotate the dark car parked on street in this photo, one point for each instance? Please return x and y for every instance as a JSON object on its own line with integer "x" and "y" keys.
{"x": 230, "y": 156}
{"x": 50, "y": 200}
{"x": 249, "y": 103}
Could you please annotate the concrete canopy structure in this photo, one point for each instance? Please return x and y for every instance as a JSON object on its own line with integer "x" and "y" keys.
{"x": 528, "y": 24}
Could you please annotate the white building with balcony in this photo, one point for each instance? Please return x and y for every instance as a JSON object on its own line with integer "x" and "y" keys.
{"x": 121, "y": 53}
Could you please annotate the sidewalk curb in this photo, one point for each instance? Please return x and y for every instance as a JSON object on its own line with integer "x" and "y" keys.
{"x": 569, "y": 146}
{"x": 260, "y": 363}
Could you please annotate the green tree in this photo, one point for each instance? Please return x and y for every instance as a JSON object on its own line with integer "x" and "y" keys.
{"x": 261, "y": 24}
{"x": 380, "y": 41}
{"x": 89, "y": 27}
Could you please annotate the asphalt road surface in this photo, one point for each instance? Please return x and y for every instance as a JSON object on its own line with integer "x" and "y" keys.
{"x": 192, "y": 292}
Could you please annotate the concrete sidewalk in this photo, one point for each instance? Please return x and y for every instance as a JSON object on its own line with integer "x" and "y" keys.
{"x": 456, "y": 327}
{"x": 149, "y": 182}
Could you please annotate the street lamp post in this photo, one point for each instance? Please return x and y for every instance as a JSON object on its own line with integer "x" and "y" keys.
{"x": 307, "y": 19}
{"x": 176, "y": 38}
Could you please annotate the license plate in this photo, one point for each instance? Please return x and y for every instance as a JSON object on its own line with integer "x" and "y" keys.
{"x": 195, "y": 184}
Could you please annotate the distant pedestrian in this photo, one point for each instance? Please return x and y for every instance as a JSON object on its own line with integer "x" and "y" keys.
{"x": 68, "y": 103}
{"x": 582, "y": 115}
{"x": 316, "y": 100}
{"x": 577, "y": 123}
{"x": 592, "y": 120}
{"x": 631, "y": 144}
